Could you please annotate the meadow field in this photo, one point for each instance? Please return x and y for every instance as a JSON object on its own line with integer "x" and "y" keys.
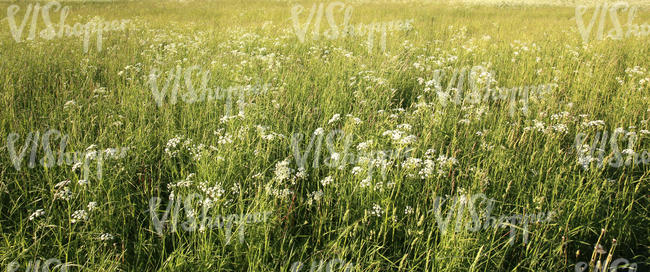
{"x": 367, "y": 135}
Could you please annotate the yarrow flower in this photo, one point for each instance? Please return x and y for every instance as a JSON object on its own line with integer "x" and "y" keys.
{"x": 326, "y": 181}
{"x": 106, "y": 237}
{"x": 335, "y": 118}
{"x": 365, "y": 182}
{"x": 64, "y": 194}
{"x": 36, "y": 214}
{"x": 376, "y": 210}
{"x": 79, "y": 215}
{"x": 282, "y": 170}
{"x": 427, "y": 170}
{"x": 314, "y": 197}
{"x": 363, "y": 146}
{"x": 91, "y": 206}
{"x": 408, "y": 210}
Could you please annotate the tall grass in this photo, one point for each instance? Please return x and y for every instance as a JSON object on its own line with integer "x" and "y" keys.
{"x": 523, "y": 170}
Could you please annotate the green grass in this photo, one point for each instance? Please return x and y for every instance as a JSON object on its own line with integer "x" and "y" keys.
{"x": 239, "y": 42}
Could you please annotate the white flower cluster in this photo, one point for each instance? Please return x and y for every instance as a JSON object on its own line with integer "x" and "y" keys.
{"x": 36, "y": 214}
{"x": 175, "y": 146}
{"x": 326, "y": 181}
{"x": 62, "y": 190}
{"x": 106, "y": 237}
{"x": 79, "y": 215}
{"x": 376, "y": 210}
{"x": 214, "y": 192}
{"x": 408, "y": 210}
{"x": 91, "y": 206}
{"x": 335, "y": 118}
{"x": 315, "y": 196}
{"x": 558, "y": 128}
{"x": 270, "y": 136}
{"x": 282, "y": 170}
{"x": 400, "y": 135}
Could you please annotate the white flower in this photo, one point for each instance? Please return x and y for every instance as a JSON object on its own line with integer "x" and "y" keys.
{"x": 364, "y": 145}
{"x": 36, "y": 214}
{"x": 171, "y": 146}
{"x": 412, "y": 163}
{"x": 91, "y": 155}
{"x": 629, "y": 152}
{"x": 430, "y": 153}
{"x": 376, "y": 210}
{"x": 405, "y": 127}
{"x": 408, "y": 210}
{"x": 225, "y": 139}
{"x": 82, "y": 182}
{"x": 335, "y": 118}
{"x": 64, "y": 194}
{"x": 79, "y": 215}
{"x": 301, "y": 173}
{"x": 282, "y": 170}
{"x": 539, "y": 125}
{"x": 319, "y": 131}
{"x": 317, "y": 195}
{"x": 356, "y": 170}
{"x": 395, "y": 135}
{"x": 379, "y": 186}
{"x": 91, "y": 206}
{"x": 444, "y": 161}
{"x": 427, "y": 170}
{"x": 213, "y": 192}
{"x": 106, "y": 237}
{"x": 561, "y": 128}
{"x": 335, "y": 156}
{"x": 596, "y": 123}
{"x": 408, "y": 140}
{"x": 365, "y": 182}
{"x": 326, "y": 181}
